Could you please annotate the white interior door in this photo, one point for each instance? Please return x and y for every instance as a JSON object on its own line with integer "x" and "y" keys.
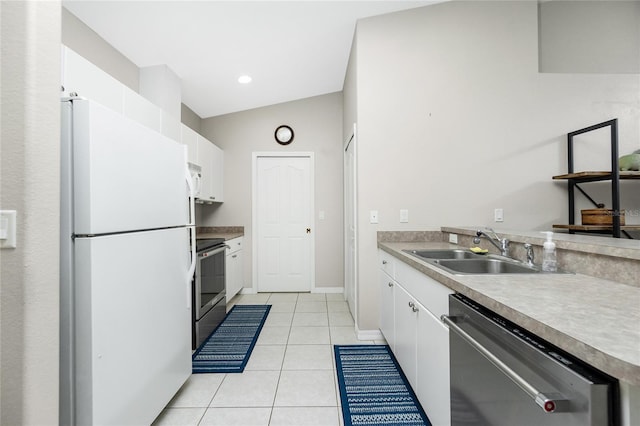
{"x": 283, "y": 217}
{"x": 350, "y": 261}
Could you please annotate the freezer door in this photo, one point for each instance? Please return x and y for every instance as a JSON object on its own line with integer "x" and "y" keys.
{"x": 132, "y": 325}
{"x": 125, "y": 176}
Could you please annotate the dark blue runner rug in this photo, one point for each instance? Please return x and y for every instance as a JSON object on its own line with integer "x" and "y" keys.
{"x": 228, "y": 348}
{"x": 373, "y": 388}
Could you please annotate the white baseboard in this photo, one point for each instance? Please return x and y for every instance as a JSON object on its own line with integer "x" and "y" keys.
{"x": 328, "y": 290}
{"x": 247, "y": 290}
{"x": 369, "y": 334}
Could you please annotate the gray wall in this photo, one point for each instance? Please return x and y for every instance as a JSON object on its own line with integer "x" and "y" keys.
{"x": 590, "y": 36}
{"x": 454, "y": 120}
{"x": 190, "y": 118}
{"x": 29, "y": 183}
{"x": 317, "y": 123}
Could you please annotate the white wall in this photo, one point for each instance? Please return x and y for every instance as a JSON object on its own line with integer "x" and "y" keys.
{"x": 29, "y": 183}
{"x": 317, "y": 123}
{"x": 454, "y": 120}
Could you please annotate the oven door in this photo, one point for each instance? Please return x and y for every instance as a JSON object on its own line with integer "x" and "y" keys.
{"x": 210, "y": 280}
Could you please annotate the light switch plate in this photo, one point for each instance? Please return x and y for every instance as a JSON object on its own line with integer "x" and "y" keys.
{"x": 498, "y": 215}
{"x": 7, "y": 229}
{"x": 321, "y": 215}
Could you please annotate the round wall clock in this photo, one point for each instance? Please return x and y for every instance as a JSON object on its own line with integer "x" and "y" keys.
{"x": 284, "y": 135}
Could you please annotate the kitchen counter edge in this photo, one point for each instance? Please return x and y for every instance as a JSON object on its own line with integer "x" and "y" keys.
{"x": 624, "y": 365}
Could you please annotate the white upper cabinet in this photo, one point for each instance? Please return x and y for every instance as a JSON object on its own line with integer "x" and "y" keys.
{"x": 189, "y": 138}
{"x": 211, "y": 159}
{"x": 81, "y": 77}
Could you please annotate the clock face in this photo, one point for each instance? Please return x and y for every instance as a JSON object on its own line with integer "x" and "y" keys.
{"x": 284, "y": 135}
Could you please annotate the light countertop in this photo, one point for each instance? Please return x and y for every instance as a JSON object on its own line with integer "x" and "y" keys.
{"x": 593, "y": 319}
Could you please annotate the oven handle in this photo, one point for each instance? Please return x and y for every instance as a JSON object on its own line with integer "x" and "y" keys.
{"x": 549, "y": 402}
{"x": 216, "y": 250}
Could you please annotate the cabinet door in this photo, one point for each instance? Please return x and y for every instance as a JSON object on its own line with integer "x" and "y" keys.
{"x": 205, "y": 157}
{"x": 234, "y": 274}
{"x": 217, "y": 190}
{"x": 433, "y": 368}
{"x": 189, "y": 138}
{"x": 406, "y": 323}
{"x": 387, "y": 324}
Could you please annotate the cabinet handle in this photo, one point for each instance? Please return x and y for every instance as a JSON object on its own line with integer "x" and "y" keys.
{"x": 414, "y": 309}
{"x": 212, "y": 198}
{"x": 384, "y": 262}
{"x": 390, "y": 284}
{"x": 234, "y": 256}
{"x": 411, "y": 305}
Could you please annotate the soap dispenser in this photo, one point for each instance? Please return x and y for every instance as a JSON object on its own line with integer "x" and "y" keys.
{"x": 549, "y": 263}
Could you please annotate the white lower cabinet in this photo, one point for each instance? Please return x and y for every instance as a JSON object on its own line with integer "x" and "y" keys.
{"x": 233, "y": 268}
{"x": 409, "y": 316}
{"x": 387, "y": 309}
{"x": 406, "y": 319}
{"x": 433, "y": 368}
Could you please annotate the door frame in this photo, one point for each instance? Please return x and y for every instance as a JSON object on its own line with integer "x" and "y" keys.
{"x": 254, "y": 212}
{"x": 351, "y": 141}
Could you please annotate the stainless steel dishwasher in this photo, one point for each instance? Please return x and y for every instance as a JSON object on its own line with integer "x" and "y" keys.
{"x": 502, "y": 375}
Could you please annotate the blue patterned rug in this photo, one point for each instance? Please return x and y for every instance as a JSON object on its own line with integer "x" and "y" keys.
{"x": 373, "y": 388}
{"x": 228, "y": 348}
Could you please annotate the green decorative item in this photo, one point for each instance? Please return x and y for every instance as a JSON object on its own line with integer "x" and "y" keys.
{"x": 630, "y": 162}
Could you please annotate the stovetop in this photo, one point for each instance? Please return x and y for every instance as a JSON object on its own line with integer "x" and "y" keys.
{"x": 207, "y": 243}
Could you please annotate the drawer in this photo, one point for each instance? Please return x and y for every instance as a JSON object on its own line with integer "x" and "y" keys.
{"x": 387, "y": 263}
{"x": 234, "y": 244}
{"x": 430, "y": 293}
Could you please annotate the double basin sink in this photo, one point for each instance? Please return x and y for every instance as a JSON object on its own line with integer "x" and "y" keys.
{"x": 463, "y": 262}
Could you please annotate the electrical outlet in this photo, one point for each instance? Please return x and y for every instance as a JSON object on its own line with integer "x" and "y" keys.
{"x": 453, "y": 238}
{"x": 373, "y": 216}
{"x": 404, "y": 216}
{"x": 498, "y": 215}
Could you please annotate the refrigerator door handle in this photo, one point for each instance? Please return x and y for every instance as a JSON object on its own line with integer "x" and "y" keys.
{"x": 192, "y": 267}
{"x": 192, "y": 231}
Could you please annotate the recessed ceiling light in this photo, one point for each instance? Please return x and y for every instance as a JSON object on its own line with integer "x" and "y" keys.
{"x": 244, "y": 79}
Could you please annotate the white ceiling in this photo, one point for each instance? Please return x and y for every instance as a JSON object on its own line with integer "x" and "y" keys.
{"x": 291, "y": 49}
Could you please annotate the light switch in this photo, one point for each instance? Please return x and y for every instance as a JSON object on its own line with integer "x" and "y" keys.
{"x": 321, "y": 215}
{"x": 373, "y": 216}
{"x": 498, "y": 215}
{"x": 404, "y": 216}
{"x": 7, "y": 229}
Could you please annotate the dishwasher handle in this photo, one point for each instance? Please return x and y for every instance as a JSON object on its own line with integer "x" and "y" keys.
{"x": 549, "y": 402}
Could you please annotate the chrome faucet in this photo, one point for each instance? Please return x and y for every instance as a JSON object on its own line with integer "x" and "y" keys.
{"x": 501, "y": 244}
{"x": 529, "y": 248}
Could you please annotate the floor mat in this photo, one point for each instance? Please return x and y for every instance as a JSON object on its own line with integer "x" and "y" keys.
{"x": 373, "y": 388}
{"x": 228, "y": 348}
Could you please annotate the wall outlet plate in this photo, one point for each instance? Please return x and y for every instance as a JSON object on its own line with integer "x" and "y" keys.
{"x": 453, "y": 238}
{"x": 404, "y": 216}
{"x": 7, "y": 229}
{"x": 373, "y": 216}
{"x": 498, "y": 215}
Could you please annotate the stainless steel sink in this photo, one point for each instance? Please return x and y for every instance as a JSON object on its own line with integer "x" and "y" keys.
{"x": 443, "y": 254}
{"x": 485, "y": 266}
{"x": 464, "y": 262}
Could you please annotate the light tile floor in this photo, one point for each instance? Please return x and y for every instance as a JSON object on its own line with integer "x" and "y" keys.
{"x": 290, "y": 378}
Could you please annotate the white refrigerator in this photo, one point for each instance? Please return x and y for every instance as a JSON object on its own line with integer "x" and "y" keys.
{"x": 126, "y": 268}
